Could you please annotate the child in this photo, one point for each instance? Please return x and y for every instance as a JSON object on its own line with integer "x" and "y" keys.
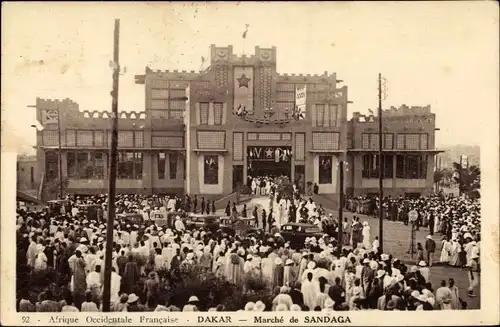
{"x": 420, "y": 252}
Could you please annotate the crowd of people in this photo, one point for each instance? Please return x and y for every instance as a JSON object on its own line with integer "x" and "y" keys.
{"x": 148, "y": 259}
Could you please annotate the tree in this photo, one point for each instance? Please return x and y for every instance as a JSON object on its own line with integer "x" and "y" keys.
{"x": 468, "y": 179}
{"x": 53, "y": 188}
{"x": 442, "y": 177}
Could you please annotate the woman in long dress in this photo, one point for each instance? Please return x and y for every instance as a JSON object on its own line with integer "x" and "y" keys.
{"x": 446, "y": 249}
{"x": 455, "y": 253}
{"x": 366, "y": 235}
{"x": 309, "y": 289}
{"x": 455, "y": 295}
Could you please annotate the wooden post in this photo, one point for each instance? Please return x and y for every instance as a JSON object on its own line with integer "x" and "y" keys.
{"x": 341, "y": 206}
{"x": 380, "y": 167}
{"x": 112, "y": 173}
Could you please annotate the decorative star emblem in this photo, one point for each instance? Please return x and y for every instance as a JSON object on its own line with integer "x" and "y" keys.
{"x": 243, "y": 81}
{"x": 269, "y": 153}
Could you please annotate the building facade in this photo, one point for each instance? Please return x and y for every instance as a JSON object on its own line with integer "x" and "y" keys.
{"x": 26, "y": 172}
{"x": 209, "y": 132}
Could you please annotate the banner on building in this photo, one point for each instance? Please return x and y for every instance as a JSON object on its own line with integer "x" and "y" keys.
{"x": 300, "y": 102}
{"x": 271, "y": 154}
{"x": 243, "y": 89}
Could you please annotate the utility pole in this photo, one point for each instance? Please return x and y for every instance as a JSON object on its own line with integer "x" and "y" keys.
{"x": 59, "y": 157}
{"x": 380, "y": 167}
{"x": 112, "y": 171}
{"x": 341, "y": 206}
{"x": 460, "y": 176}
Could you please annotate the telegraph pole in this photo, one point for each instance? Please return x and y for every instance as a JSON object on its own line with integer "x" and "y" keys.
{"x": 112, "y": 172}
{"x": 460, "y": 176}
{"x": 60, "y": 154}
{"x": 341, "y": 206}
{"x": 380, "y": 167}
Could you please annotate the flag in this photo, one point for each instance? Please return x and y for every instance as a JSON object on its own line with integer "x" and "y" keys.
{"x": 246, "y": 31}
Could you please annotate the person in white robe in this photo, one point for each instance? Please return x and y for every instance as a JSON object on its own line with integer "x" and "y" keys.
{"x": 469, "y": 251}
{"x": 31, "y": 253}
{"x": 424, "y": 270}
{"x": 455, "y": 253}
{"x": 248, "y": 266}
{"x": 267, "y": 269}
{"x": 455, "y": 295}
{"x": 443, "y": 297}
{"x": 366, "y": 235}
{"x": 41, "y": 258}
{"x": 309, "y": 289}
{"x": 179, "y": 225}
{"x": 446, "y": 249}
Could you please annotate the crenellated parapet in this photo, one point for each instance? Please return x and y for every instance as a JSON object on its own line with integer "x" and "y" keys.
{"x": 405, "y": 110}
{"x": 131, "y": 115}
{"x": 56, "y": 104}
{"x": 414, "y": 117}
{"x": 181, "y": 75}
{"x": 308, "y": 78}
{"x": 225, "y": 55}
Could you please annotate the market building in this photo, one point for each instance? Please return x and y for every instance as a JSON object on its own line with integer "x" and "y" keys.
{"x": 209, "y": 132}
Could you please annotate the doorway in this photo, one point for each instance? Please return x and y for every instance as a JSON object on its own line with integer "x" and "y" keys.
{"x": 269, "y": 161}
{"x": 237, "y": 177}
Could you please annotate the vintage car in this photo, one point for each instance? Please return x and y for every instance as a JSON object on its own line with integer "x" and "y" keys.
{"x": 171, "y": 218}
{"x": 210, "y": 222}
{"x": 241, "y": 226}
{"x": 130, "y": 218}
{"x": 160, "y": 218}
{"x": 54, "y": 206}
{"x": 90, "y": 211}
{"x": 296, "y": 233}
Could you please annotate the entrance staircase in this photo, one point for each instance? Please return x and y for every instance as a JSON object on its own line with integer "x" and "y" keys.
{"x": 329, "y": 201}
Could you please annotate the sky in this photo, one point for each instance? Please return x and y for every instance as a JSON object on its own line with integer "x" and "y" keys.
{"x": 439, "y": 54}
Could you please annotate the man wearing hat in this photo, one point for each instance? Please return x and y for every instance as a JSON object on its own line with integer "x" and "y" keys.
{"x": 278, "y": 273}
{"x": 473, "y": 274}
{"x": 283, "y": 298}
{"x": 289, "y": 273}
{"x": 192, "y": 304}
{"x": 424, "y": 270}
{"x": 430, "y": 248}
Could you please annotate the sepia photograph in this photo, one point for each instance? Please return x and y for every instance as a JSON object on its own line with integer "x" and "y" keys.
{"x": 319, "y": 157}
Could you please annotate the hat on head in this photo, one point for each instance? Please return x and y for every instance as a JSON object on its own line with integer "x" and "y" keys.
{"x": 288, "y": 262}
{"x": 366, "y": 260}
{"x": 132, "y": 298}
{"x": 422, "y": 298}
{"x": 281, "y": 307}
{"x": 380, "y": 273}
{"x": 259, "y": 306}
{"x": 193, "y": 298}
{"x": 391, "y": 305}
{"x": 283, "y": 289}
{"x": 422, "y": 263}
{"x": 311, "y": 265}
{"x": 415, "y": 294}
{"x": 429, "y": 237}
{"x": 249, "y": 306}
